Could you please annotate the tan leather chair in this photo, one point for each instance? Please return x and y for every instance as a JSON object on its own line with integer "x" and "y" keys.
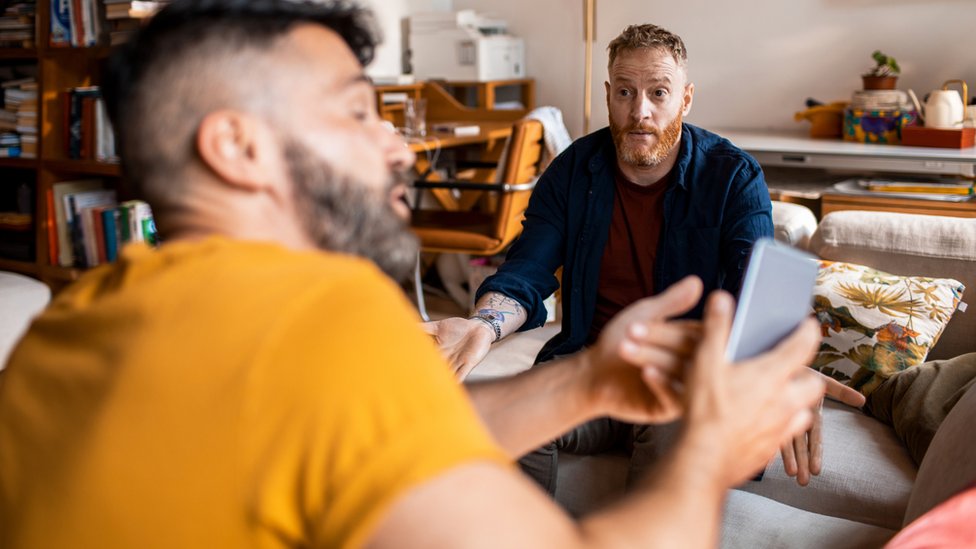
{"x": 496, "y": 220}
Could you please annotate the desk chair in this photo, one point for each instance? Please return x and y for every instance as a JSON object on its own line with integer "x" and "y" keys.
{"x": 487, "y": 230}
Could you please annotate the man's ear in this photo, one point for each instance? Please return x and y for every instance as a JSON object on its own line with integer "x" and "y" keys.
{"x": 688, "y": 99}
{"x": 606, "y": 86}
{"x": 241, "y": 149}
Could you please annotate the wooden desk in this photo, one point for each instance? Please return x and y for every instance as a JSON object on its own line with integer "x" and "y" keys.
{"x": 495, "y": 125}
{"x": 803, "y": 170}
{"x": 491, "y": 132}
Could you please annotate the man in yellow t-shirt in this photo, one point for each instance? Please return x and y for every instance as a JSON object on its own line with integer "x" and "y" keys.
{"x": 254, "y": 383}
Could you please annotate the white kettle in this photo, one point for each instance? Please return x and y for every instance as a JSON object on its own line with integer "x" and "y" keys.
{"x": 944, "y": 109}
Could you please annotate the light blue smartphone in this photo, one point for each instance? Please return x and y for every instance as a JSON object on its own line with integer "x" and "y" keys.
{"x": 776, "y": 296}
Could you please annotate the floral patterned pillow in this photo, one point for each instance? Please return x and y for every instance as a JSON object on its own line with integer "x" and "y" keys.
{"x": 875, "y": 324}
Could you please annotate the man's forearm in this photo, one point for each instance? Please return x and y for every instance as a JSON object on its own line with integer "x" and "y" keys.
{"x": 511, "y": 313}
{"x": 528, "y": 410}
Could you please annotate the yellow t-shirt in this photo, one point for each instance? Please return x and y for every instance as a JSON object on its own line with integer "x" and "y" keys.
{"x": 224, "y": 394}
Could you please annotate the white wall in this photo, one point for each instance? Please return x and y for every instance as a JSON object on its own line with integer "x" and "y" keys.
{"x": 390, "y": 15}
{"x": 753, "y": 62}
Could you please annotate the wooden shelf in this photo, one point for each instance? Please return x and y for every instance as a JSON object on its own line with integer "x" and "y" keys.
{"x": 18, "y": 53}
{"x": 23, "y": 163}
{"x": 58, "y": 273}
{"x": 87, "y": 167}
{"x": 22, "y": 267}
{"x": 837, "y": 202}
{"x": 486, "y": 92}
{"x": 97, "y": 52}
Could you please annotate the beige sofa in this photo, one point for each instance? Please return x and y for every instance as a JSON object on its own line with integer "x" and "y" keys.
{"x": 870, "y": 487}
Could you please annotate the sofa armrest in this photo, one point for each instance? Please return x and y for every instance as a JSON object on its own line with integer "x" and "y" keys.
{"x": 793, "y": 224}
{"x": 909, "y": 244}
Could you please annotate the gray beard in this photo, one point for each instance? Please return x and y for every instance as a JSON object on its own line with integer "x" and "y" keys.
{"x": 344, "y": 215}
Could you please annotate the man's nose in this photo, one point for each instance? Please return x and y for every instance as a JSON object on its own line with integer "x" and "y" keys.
{"x": 643, "y": 107}
{"x": 398, "y": 154}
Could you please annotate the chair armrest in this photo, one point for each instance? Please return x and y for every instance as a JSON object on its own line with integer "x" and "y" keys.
{"x": 465, "y": 164}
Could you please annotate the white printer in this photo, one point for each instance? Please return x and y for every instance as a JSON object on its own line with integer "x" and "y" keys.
{"x": 463, "y": 45}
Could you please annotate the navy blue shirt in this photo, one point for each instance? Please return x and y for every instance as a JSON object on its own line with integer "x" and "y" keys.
{"x": 716, "y": 206}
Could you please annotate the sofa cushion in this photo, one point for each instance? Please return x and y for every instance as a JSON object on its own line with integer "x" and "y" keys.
{"x": 950, "y": 462}
{"x": 876, "y": 324}
{"x": 867, "y": 475}
{"x": 756, "y": 522}
{"x": 915, "y": 402}
{"x": 919, "y": 245}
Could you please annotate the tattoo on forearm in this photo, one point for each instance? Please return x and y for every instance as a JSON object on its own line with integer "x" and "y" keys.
{"x": 504, "y": 305}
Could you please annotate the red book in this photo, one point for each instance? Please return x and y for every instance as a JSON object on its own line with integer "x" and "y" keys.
{"x": 77, "y": 24}
{"x": 99, "y": 226}
{"x": 51, "y": 227}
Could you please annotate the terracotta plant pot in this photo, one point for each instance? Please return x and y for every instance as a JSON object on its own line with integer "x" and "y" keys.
{"x": 879, "y": 82}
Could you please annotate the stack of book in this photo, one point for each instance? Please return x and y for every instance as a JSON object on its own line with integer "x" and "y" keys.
{"x": 88, "y": 132}
{"x": 75, "y": 23}
{"x": 87, "y": 226}
{"x": 942, "y": 190}
{"x": 18, "y": 120}
{"x": 126, "y": 16}
{"x": 17, "y": 25}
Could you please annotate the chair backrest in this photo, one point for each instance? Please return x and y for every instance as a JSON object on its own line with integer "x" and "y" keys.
{"x": 521, "y": 165}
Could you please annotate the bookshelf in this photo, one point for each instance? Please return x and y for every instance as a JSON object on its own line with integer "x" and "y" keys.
{"x": 56, "y": 69}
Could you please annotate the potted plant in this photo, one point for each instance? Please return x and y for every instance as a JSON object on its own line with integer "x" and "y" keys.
{"x": 884, "y": 75}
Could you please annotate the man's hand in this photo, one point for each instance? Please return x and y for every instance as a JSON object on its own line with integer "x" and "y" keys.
{"x": 464, "y": 342}
{"x": 803, "y": 456}
{"x": 636, "y": 366}
{"x": 738, "y": 415}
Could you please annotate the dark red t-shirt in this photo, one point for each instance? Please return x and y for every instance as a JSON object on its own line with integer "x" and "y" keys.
{"x": 627, "y": 267}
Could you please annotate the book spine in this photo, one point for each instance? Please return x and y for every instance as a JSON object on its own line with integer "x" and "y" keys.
{"x": 60, "y": 23}
{"x": 88, "y": 237}
{"x": 124, "y": 231}
{"x": 77, "y": 24}
{"x": 88, "y": 19}
{"x": 86, "y": 149}
{"x": 52, "y": 229}
{"x": 74, "y": 117}
{"x": 77, "y": 234}
{"x": 66, "y": 245}
{"x": 110, "y": 224}
{"x": 99, "y": 225}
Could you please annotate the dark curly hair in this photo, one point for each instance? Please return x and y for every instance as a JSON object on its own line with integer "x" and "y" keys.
{"x": 155, "y": 86}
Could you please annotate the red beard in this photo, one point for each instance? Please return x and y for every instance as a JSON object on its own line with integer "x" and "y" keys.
{"x": 646, "y": 156}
